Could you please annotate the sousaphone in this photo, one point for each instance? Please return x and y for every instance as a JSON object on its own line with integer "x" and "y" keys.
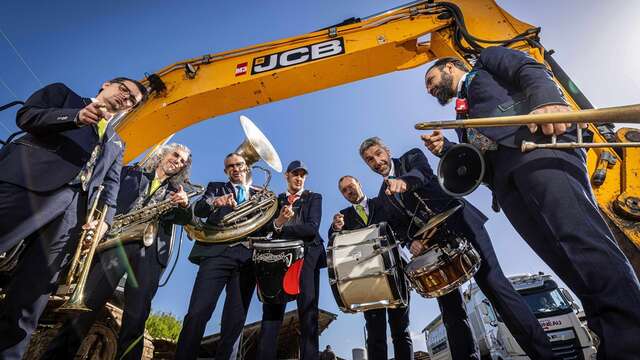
{"x": 254, "y": 213}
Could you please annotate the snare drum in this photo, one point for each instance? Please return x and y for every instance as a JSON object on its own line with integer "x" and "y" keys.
{"x": 443, "y": 267}
{"x": 365, "y": 269}
{"x": 278, "y": 264}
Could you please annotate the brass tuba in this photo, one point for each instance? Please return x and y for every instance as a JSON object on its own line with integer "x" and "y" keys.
{"x": 82, "y": 259}
{"x": 253, "y": 213}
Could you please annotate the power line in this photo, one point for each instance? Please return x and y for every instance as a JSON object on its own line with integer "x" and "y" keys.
{"x": 9, "y": 89}
{"x": 15, "y": 96}
{"x": 21, "y": 58}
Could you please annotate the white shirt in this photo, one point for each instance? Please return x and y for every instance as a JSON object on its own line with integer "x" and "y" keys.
{"x": 392, "y": 171}
{"x": 364, "y": 204}
{"x": 461, "y": 82}
{"x": 298, "y": 194}
{"x": 246, "y": 187}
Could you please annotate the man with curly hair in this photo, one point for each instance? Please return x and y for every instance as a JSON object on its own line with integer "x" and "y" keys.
{"x": 164, "y": 177}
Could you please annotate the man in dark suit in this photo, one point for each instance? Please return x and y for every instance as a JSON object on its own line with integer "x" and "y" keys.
{"x": 163, "y": 178}
{"x": 49, "y": 177}
{"x": 410, "y": 177}
{"x": 299, "y": 217}
{"x": 544, "y": 193}
{"x": 221, "y": 266}
{"x": 362, "y": 213}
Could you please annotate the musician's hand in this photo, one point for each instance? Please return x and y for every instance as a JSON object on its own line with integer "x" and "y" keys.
{"x": 286, "y": 213}
{"x": 338, "y": 222}
{"x": 225, "y": 200}
{"x": 552, "y": 129}
{"x": 92, "y": 113}
{"x": 179, "y": 197}
{"x": 416, "y": 248}
{"x": 395, "y": 186}
{"x": 93, "y": 226}
{"x": 434, "y": 142}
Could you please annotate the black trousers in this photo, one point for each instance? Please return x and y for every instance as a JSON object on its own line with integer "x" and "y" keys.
{"x": 547, "y": 197}
{"x": 143, "y": 275}
{"x": 51, "y": 225}
{"x": 514, "y": 310}
{"x": 231, "y": 269}
{"x": 376, "y": 320}
{"x": 272, "y": 315}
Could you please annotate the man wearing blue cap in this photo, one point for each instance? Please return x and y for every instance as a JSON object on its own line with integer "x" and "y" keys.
{"x": 299, "y": 217}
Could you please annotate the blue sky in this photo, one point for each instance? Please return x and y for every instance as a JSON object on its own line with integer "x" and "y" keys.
{"x": 84, "y": 43}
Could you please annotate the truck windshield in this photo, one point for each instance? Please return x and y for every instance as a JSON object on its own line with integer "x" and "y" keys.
{"x": 546, "y": 302}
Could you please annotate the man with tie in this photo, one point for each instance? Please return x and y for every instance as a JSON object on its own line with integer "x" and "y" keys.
{"x": 410, "y": 190}
{"x": 299, "y": 217}
{"x": 49, "y": 177}
{"x": 362, "y": 213}
{"x": 225, "y": 266}
{"x": 164, "y": 177}
{"x": 545, "y": 193}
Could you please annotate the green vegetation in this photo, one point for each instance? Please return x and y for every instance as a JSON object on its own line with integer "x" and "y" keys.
{"x": 163, "y": 325}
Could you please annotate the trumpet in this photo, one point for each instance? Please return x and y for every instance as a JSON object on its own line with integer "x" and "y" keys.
{"x": 619, "y": 114}
{"x": 82, "y": 259}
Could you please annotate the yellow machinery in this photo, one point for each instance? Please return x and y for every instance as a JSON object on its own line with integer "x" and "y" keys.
{"x": 402, "y": 38}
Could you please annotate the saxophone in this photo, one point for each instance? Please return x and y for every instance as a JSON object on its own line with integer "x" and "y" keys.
{"x": 141, "y": 224}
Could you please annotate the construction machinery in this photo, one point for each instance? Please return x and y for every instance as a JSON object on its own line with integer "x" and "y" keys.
{"x": 401, "y": 38}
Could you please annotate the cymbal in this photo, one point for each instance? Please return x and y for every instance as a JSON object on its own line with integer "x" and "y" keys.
{"x": 437, "y": 220}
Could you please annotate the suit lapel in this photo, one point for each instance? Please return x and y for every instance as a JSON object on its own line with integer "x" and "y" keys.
{"x": 144, "y": 180}
{"x": 371, "y": 211}
{"x": 230, "y": 189}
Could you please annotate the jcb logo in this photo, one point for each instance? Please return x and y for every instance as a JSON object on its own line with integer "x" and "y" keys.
{"x": 298, "y": 56}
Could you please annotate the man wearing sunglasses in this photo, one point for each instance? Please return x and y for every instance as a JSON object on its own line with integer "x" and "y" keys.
{"x": 49, "y": 179}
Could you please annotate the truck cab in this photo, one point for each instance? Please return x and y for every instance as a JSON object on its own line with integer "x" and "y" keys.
{"x": 554, "y": 308}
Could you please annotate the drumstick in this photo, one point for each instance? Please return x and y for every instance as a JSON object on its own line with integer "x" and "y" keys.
{"x": 378, "y": 252}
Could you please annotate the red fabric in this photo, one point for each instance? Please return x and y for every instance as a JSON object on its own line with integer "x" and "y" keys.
{"x": 292, "y": 198}
{"x": 291, "y": 280}
{"x": 462, "y": 106}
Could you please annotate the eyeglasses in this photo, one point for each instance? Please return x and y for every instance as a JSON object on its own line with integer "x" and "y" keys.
{"x": 131, "y": 100}
{"x": 239, "y": 165}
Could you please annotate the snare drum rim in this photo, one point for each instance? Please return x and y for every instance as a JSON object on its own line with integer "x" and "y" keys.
{"x": 393, "y": 256}
{"x": 277, "y": 244}
{"x": 333, "y": 283}
{"x": 464, "y": 246}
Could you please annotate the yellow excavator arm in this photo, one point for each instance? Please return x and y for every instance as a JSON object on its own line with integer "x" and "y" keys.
{"x": 402, "y": 38}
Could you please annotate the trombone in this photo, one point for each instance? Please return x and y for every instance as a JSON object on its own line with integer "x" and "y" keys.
{"x": 461, "y": 169}
{"x": 619, "y": 114}
{"x": 82, "y": 259}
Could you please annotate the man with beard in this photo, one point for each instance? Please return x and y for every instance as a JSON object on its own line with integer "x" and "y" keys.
{"x": 410, "y": 178}
{"x": 362, "y": 213}
{"x": 545, "y": 193}
{"x": 299, "y": 217}
{"x": 49, "y": 177}
{"x": 162, "y": 178}
{"x": 221, "y": 266}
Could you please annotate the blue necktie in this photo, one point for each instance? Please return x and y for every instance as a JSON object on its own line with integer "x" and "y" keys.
{"x": 241, "y": 196}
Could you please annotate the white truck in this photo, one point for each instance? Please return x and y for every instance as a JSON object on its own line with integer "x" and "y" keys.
{"x": 554, "y": 307}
